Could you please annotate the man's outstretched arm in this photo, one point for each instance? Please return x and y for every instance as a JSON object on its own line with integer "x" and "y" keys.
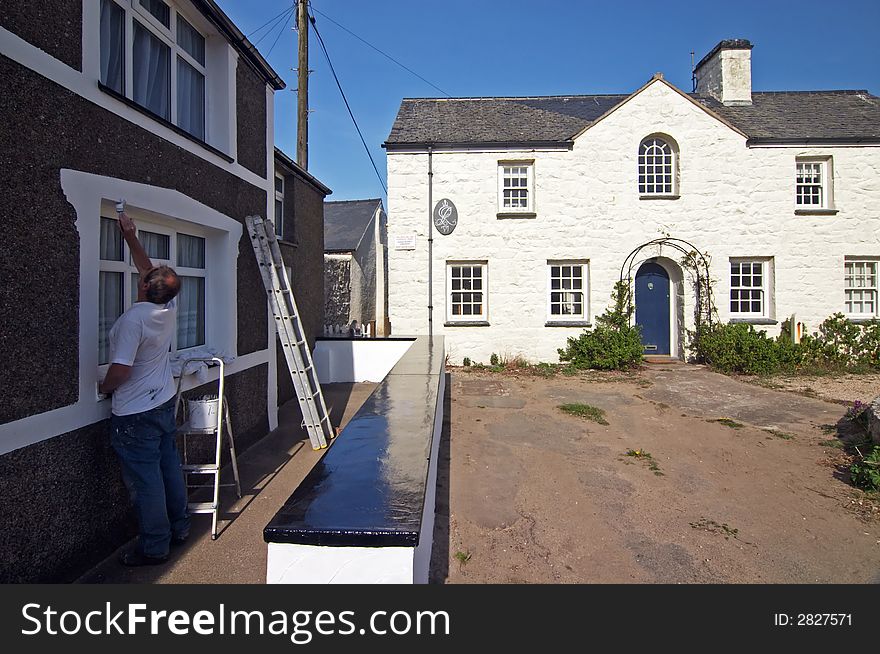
{"x": 138, "y": 254}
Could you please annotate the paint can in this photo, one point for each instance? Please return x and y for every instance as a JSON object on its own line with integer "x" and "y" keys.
{"x": 203, "y": 412}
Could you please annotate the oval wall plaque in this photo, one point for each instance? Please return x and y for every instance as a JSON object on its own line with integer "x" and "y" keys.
{"x": 445, "y": 217}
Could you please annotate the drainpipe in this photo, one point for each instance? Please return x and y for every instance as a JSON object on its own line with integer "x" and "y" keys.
{"x": 430, "y": 243}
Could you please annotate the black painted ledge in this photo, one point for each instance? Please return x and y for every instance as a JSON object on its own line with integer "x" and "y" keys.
{"x": 369, "y": 489}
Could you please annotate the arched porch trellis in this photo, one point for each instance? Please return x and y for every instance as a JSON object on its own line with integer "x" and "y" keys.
{"x": 698, "y": 266}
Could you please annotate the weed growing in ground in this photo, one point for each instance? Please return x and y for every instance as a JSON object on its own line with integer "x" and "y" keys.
{"x": 462, "y": 558}
{"x": 645, "y": 456}
{"x": 585, "y": 411}
{"x": 713, "y": 527}
{"x": 835, "y": 443}
{"x": 865, "y": 470}
{"x": 727, "y": 422}
{"x": 780, "y": 434}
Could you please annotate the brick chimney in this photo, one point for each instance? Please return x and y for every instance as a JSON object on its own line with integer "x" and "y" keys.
{"x": 726, "y": 72}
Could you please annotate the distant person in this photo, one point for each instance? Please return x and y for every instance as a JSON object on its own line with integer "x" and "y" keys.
{"x": 143, "y": 424}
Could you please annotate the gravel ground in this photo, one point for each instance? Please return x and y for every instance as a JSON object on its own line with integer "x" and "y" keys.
{"x": 843, "y": 389}
{"x": 691, "y": 477}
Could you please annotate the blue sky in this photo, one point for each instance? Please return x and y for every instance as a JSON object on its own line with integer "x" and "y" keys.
{"x": 522, "y": 47}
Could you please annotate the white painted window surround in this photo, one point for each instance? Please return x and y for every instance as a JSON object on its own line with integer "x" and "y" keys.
{"x": 279, "y": 206}
{"x": 91, "y": 195}
{"x": 861, "y": 287}
{"x": 751, "y": 287}
{"x": 154, "y": 52}
{"x": 658, "y": 164}
{"x": 467, "y": 298}
{"x": 567, "y": 290}
{"x": 813, "y": 188}
{"x": 516, "y": 187}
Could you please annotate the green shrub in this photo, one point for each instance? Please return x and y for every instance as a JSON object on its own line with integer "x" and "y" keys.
{"x": 494, "y": 360}
{"x": 741, "y": 348}
{"x": 843, "y": 343}
{"x": 613, "y": 344}
{"x": 466, "y": 362}
{"x": 865, "y": 472}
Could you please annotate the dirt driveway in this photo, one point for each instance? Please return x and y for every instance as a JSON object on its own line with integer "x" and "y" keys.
{"x": 534, "y": 495}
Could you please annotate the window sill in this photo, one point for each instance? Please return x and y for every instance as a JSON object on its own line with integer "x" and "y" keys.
{"x": 293, "y": 244}
{"x": 146, "y": 112}
{"x": 466, "y": 323}
{"x": 753, "y": 321}
{"x": 659, "y": 197}
{"x": 861, "y": 320}
{"x": 568, "y": 323}
{"x": 815, "y": 212}
{"x": 515, "y": 214}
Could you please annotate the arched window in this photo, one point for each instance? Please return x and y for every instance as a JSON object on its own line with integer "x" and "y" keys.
{"x": 656, "y": 167}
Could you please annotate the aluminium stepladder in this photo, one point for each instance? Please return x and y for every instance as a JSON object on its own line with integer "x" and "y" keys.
{"x": 316, "y": 418}
{"x": 187, "y": 430}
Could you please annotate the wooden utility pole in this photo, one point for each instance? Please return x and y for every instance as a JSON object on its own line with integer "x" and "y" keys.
{"x": 302, "y": 76}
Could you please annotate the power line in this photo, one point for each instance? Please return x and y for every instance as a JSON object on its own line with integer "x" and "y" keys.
{"x": 267, "y": 22}
{"x": 345, "y": 100}
{"x": 283, "y": 29}
{"x": 281, "y": 18}
{"x": 384, "y": 54}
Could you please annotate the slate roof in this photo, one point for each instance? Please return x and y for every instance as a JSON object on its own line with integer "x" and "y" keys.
{"x": 345, "y": 223}
{"x": 776, "y": 115}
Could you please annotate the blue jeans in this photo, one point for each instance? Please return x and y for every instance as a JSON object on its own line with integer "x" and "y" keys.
{"x": 147, "y": 449}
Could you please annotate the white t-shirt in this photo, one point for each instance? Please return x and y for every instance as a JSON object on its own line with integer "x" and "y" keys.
{"x": 141, "y": 338}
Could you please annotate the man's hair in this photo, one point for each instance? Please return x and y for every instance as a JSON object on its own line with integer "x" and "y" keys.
{"x": 163, "y": 284}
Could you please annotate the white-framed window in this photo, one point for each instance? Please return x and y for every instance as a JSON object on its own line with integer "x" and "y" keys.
{"x": 516, "y": 186}
{"x": 152, "y": 54}
{"x": 567, "y": 290}
{"x": 657, "y": 167}
{"x": 748, "y": 287}
{"x": 279, "y": 206}
{"x": 118, "y": 280}
{"x": 813, "y": 183}
{"x": 860, "y": 287}
{"x": 466, "y": 295}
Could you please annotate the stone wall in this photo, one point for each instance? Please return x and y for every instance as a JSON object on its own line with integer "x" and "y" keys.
{"x": 734, "y": 201}
{"x": 337, "y": 289}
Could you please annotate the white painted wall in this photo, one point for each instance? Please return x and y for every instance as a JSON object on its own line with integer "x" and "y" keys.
{"x": 735, "y": 201}
{"x": 341, "y": 361}
{"x": 312, "y": 564}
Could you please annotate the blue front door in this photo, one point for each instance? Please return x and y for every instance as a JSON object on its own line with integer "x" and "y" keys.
{"x": 652, "y": 307}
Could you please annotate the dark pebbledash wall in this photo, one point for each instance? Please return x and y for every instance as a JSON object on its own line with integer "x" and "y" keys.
{"x": 54, "y": 26}
{"x": 44, "y": 128}
{"x": 63, "y": 505}
{"x": 251, "y": 120}
{"x": 61, "y": 502}
{"x": 303, "y": 225}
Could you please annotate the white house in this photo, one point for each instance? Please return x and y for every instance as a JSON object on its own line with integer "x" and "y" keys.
{"x": 557, "y": 198}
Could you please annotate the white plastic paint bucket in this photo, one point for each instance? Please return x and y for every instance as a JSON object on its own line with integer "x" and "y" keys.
{"x": 203, "y": 412}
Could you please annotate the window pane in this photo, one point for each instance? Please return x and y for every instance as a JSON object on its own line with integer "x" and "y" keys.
{"x": 190, "y": 40}
{"x": 279, "y": 217}
{"x": 190, "y": 99}
{"x": 111, "y": 240}
{"x": 191, "y": 312}
{"x": 109, "y": 309}
{"x": 151, "y": 64}
{"x": 157, "y": 246}
{"x": 190, "y": 251}
{"x": 159, "y": 9}
{"x": 279, "y": 185}
{"x": 112, "y": 45}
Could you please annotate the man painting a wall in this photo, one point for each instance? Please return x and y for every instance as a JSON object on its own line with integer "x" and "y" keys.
{"x": 142, "y": 424}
